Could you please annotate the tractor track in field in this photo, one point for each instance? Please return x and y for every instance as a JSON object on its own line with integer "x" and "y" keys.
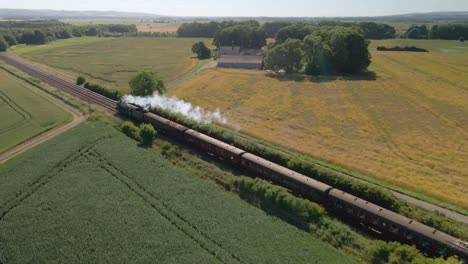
{"x": 206, "y": 242}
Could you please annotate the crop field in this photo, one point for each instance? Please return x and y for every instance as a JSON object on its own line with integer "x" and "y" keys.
{"x": 405, "y": 124}
{"x": 92, "y": 195}
{"x": 24, "y": 113}
{"x": 113, "y": 61}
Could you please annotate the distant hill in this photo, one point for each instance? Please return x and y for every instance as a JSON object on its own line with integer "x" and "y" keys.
{"x": 458, "y": 16}
{"x": 56, "y": 14}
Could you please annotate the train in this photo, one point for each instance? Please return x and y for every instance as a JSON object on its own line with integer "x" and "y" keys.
{"x": 389, "y": 224}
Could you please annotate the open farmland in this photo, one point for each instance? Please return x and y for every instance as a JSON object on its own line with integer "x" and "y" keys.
{"x": 24, "y": 112}
{"x": 92, "y": 195}
{"x": 112, "y": 62}
{"x": 407, "y": 126}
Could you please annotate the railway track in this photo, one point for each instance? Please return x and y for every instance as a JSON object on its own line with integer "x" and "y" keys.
{"x": 61, "y": 84}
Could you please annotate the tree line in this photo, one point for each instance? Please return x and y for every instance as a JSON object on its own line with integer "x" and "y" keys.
{"x": 44, "y": 31}
{"x": 443, "y": 31}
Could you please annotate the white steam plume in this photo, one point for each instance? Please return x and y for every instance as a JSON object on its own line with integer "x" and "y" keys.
{"x": 175, "y": 105}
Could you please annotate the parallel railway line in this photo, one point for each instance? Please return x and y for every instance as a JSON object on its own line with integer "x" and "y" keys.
{"x": 64, "y": 85}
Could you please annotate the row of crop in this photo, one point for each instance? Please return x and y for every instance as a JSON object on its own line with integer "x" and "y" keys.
{"x": 334, "y": 178}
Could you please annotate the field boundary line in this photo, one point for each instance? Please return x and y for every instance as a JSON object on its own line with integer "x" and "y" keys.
{"x": 25, "y": 115}
{"x": 169, "y": 214}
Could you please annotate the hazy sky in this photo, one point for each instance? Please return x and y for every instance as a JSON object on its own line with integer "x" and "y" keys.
{"x": 249, "y": 7}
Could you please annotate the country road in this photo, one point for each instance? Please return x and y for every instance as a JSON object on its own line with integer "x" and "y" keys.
{"x": 78, "y": 117}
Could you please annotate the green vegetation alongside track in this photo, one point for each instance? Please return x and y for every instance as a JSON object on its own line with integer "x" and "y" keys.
{"x": 92, "y": 195}
{"x": 25, "y": 112}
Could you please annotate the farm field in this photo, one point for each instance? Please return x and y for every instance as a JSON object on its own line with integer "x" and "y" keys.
{"x": 92, "y": 195}
{"x": 142, "y": 25}
{"x": 24, "y": 112}
{"x": 407, "y": 126}
{"x": 113, "y": 61}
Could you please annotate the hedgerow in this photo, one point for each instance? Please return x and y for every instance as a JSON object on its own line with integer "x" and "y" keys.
{"x": 113, "y": 94}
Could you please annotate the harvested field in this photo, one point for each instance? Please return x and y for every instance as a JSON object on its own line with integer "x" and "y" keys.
{"x": 159, "y": 27}
{"x": 112, "y": 62}
{"x": 92, "y": 195}
{"x": 405, "y": 123}
{"x": 24, "y": 113}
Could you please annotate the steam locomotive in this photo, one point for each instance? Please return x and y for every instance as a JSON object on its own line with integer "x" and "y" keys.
{"x": 389, "y": 224}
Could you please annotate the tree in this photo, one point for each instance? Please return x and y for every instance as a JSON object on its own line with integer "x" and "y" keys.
{"x": 3, "y": 44}
{"x": 295, "y": 31}
{"x": 349, "y": 50}
{"x": 10, "y": 39}
{"x": 417, "y": 32}
{"x": 146, "y": 83}
{"x": 201, "y": 50}
{"x": 80, "y": 80}
{"x": 246, "y": 36}
{"x": 147, "y": 134}
{"x": 317, "y": 56}
{"x": 286, "y": 56}
{"x": 129, "y": 129}
{"x": 36, "y": 38}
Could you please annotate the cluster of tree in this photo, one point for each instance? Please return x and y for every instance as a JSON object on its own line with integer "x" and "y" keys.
{"x": 327, "y": 50}
{"x": 245, "y": 36}
{"x": 155, "y": 34}
{"x": 398, "y": 48}
{"x": 443, "y": 31}
{"x": 208, "y": 30}
{"x": 41, "y": 32}
{"x": 146, "y": 83}
{"x": 145, "y": 133}
{"x": 202, "y": 51}
{"x": 283, "y": 30}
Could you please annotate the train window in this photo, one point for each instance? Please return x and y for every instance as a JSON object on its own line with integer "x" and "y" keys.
{"x": 338, "y": 205}
{"x": 362, "y": 214}
{"x": 409, "y": 235}
{"x": 384, "y": 224}
{"x": 425, "y": 244}
{"x": 442, "y": 251}
{"x": 375, "y": 220}
{"x": 394, "y": 229}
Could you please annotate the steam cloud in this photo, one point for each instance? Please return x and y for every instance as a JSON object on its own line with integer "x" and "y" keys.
{"x": 175, "y": 105}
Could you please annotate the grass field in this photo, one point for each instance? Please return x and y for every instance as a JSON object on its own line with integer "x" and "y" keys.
{"x": 92, "y": 195}
{"x": 142, "y": 25}
{"x": 406, "y": 126}
{"x": 112, "y": 62}
{"x": 24, "y": 112}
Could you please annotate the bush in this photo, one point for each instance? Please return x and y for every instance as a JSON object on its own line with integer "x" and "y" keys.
{"x": 10, "y": 39}
{"x": 398, "y": 48}
{"x": 129, "y": 129}
{"x": 80, "y": 80}
{"x": 147, "y": 134}
{"x": 170, "y": 151}
{"x": 3, "y": 44}
{"x": 201, "y": 50}
{"x": 145, "y": 83}
{"x": 113, "y": 94}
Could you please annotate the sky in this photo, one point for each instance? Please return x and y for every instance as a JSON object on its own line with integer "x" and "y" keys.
{"x": 277, "y": 8}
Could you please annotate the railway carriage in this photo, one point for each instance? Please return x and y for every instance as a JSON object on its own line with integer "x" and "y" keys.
{"x": 306, "y": 186}
{"x": 397, "y": 227}
{"x": 213, "y": 146}
{"x": 165, "y": 125}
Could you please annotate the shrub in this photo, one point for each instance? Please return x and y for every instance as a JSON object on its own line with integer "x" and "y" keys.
{"x": 201, "y": 50}
{"x": 398, "y": 48}
{"x": 80, "y": 80}
{"x": 113, "y": 94}
{"x": 3, "y": 44}
{"x": 129, "y": 129}
{"x": 170, "y": 151}
{"x": 147, "y": 134}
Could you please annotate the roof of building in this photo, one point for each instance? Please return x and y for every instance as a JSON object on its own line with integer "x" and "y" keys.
{"x": 241, "y": 59}
{"x": 229, "y": 50}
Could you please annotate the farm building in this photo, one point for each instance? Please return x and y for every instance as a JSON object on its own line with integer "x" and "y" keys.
{"x": 235, "y": 57}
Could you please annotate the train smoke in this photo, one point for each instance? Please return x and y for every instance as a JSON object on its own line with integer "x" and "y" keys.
{"x": 175, "y": 105}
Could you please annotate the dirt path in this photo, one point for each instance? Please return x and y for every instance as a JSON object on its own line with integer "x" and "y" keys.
{"x": 78, "y": 117}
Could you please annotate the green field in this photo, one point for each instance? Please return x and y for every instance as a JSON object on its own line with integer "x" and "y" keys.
{"x": 404, "y": 125}
{"x": 24, "y": 112}
{"x": 92, "y": 195}
{"x": 111, "y": 62}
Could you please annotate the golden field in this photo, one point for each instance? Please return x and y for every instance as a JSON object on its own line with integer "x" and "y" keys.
{"x": 407, "y": 127}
